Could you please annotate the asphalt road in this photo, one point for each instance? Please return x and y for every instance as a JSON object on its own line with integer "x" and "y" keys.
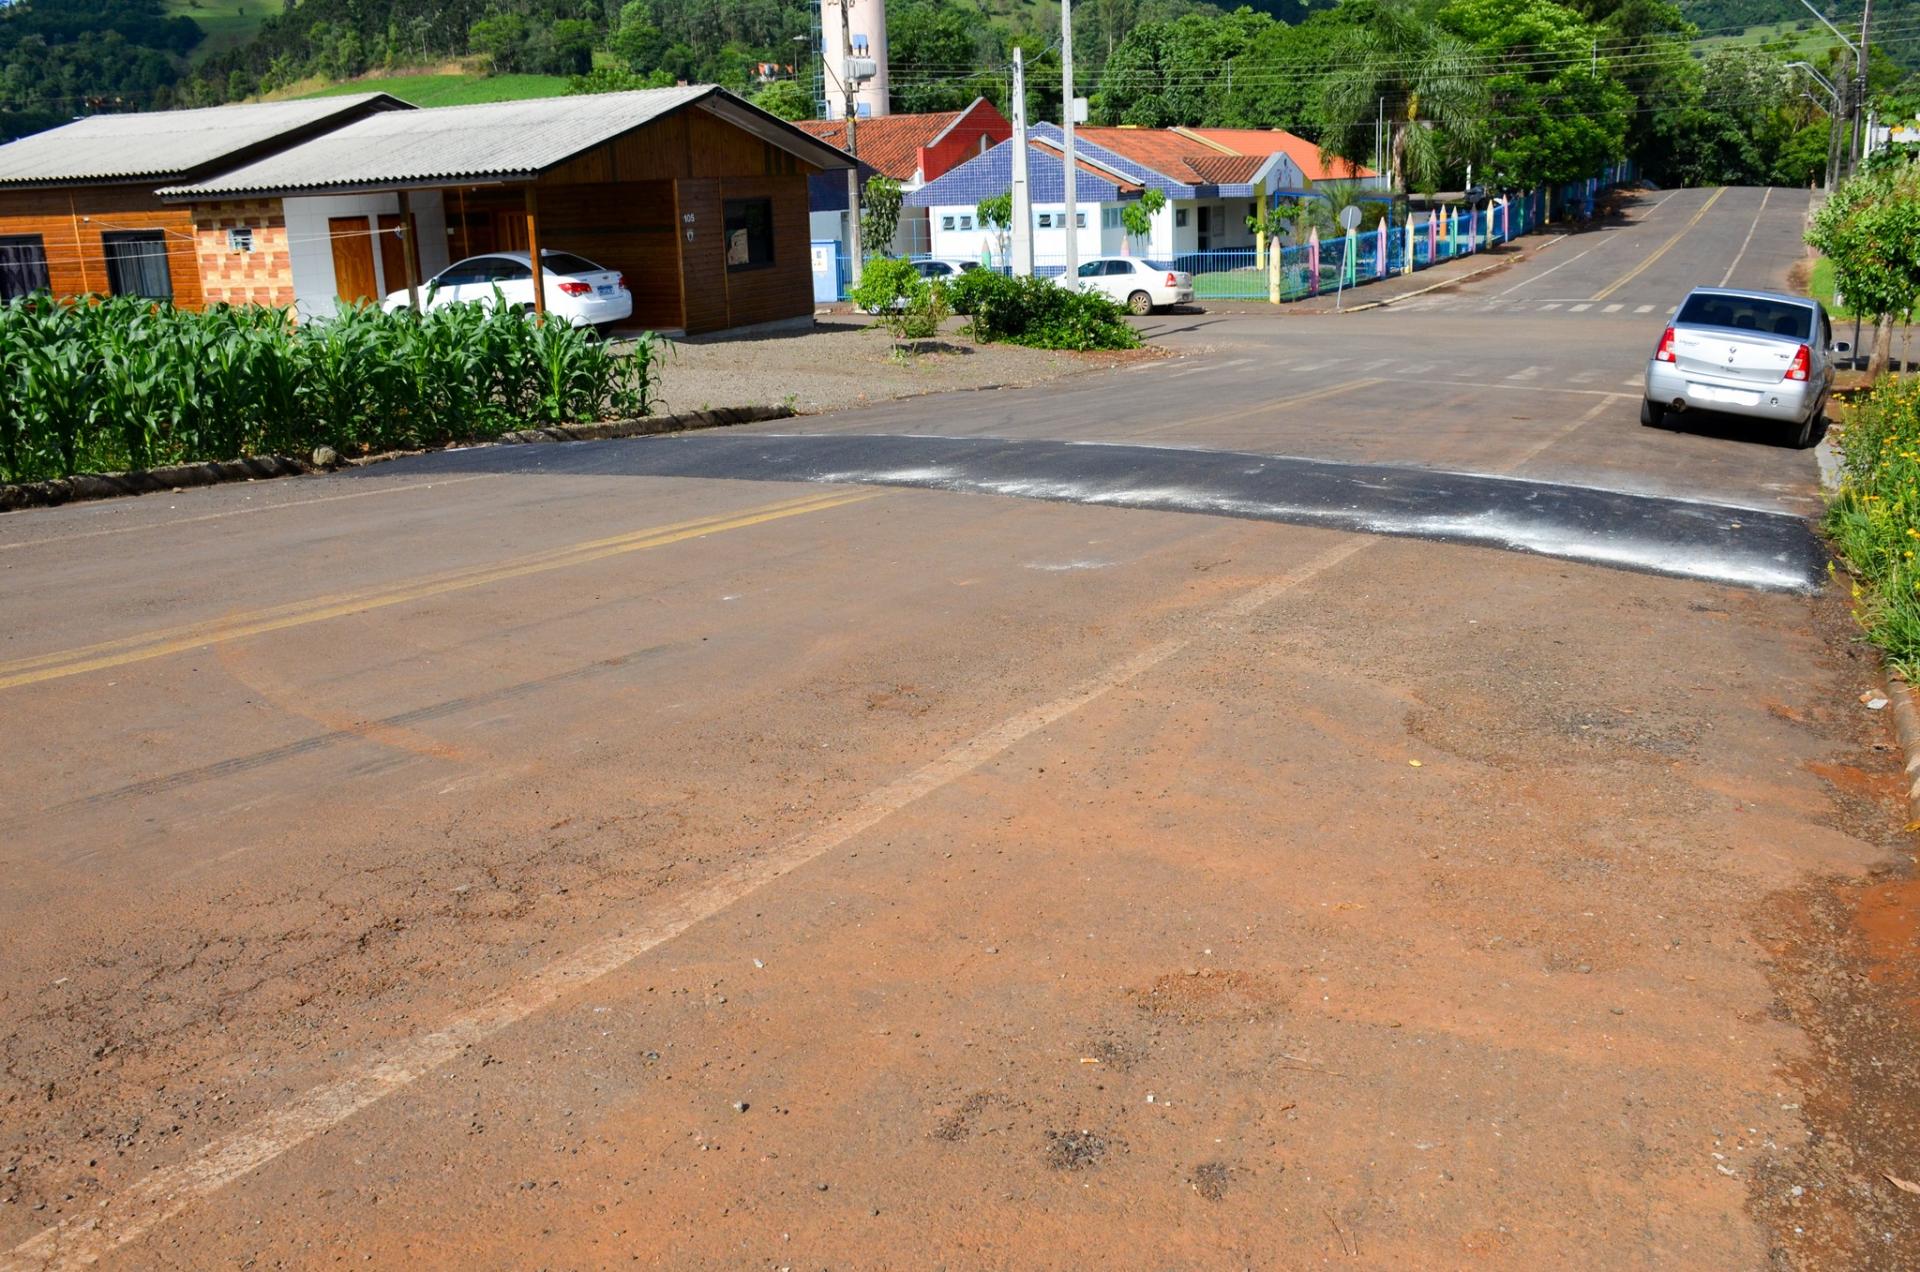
{"x": 924, "y": 838}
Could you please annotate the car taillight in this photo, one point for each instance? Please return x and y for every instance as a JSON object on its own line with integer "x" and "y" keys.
{"x": 575, "y": 289}
{"x": 1665, "y": 352}
{"x": 623, "y": 282}
{"x": 1797, "y": 369}
{"x": 1171, "y": 280}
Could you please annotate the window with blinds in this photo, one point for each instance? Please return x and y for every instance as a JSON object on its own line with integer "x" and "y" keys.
{"x": 23, "y": 265}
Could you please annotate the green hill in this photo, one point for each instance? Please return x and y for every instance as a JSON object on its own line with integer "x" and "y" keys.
{"x": 450, "y": 89}
{"x": 227, "y": 23}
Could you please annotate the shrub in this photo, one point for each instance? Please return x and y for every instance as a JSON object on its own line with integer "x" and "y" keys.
{"x": 1875, "y": 517}
{"x": 909, "y": 306}
{"x": 1039, "y": 312}
{"x": 125, "y": 383}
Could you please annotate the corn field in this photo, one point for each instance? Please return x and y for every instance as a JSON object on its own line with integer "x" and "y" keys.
{"x": 123, "y": 383}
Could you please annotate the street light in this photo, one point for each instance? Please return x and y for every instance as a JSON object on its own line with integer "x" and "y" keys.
{"x": 1833, "y": 94}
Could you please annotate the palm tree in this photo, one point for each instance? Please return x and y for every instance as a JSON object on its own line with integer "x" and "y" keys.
{"x": 1433, "y": 93}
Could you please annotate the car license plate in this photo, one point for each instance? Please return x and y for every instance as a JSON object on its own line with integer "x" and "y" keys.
{"x": 606, "y": 289}
{"x": 1731, "y": 397}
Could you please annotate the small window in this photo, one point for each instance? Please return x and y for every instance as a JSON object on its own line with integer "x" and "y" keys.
{"x": 749, "y": 233}
{"x": 240, "y": 239}
{"x": 966, "y": 222}
{"x": 1180, "y": 218}
{"x": 1046, "y": 220}
{"x": 1080, "y": 220}
{"x": 1110, "y": 218}
{"x": 137, "y": 264}
{"x": 946, "y": 222}
{"x": 23, "y": 266}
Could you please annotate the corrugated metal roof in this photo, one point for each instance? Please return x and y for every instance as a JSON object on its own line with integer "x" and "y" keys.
{"x": 490, "y": 141}
{"x": 166, "y": 143}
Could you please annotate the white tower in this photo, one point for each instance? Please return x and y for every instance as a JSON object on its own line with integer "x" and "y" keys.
{"x": 866, "y": 24}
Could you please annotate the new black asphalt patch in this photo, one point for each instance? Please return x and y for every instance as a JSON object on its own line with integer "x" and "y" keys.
{"x": 1717, "y": 543}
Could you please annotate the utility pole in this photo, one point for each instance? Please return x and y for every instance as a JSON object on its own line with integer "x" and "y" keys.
{"x": 1022, "y": 212}
{"x": 1860, "y": 96}
{"x": 849, "y": 87}
{"x": 1072, "y": 271}
{"x": 1845, "y": 85}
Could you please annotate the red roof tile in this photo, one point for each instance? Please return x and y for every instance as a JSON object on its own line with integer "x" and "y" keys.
{"x": 1271, "y": 141}
{"x": 889, "y": 144}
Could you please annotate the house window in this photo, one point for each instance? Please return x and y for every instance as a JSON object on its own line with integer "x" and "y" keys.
{"x": 137, "y": 264}
{"x": 1080, "y": 220}
{"x": 946, "y": 222}
{"x": 1180, "y": 218}
{"x": 23, "y": 266}
{"x": 1046, "y": 220}
{"x": 749, "y": 225}
{"x": 966, "y": 222}
{"x": 240, "y": 239}
{"x": 1109, "y": 218}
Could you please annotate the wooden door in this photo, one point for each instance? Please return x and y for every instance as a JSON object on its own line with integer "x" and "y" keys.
{"x": 353, "y": 279}
{"x": 393, "y": 252}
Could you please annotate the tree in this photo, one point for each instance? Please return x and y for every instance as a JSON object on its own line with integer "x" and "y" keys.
{"x": 569, "y": 47}
{"x": 1168, "y": 73}
{"x": 928, "y": 45}
{"x": 1137, "y": 217}
{"x": 1554, "y": 111}
{"x": 638, "y": 43}
{"x": 1432, "y": 84}
{"x": 995, "y": 212}
{"x": 501, "y": 39}
{"x": 785, "y": 99}
{"x": 611, "y": 79}
{"x": 1870, "y": 229}
{"x": 879, "y": 214}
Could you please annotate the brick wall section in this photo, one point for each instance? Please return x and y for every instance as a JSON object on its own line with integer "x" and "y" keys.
{"x": 263, "y": 276}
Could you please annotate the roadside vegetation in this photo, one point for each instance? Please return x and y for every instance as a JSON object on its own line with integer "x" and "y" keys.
{"x": 1875, "y": 517}
{"x": 1039, "y": 313}
{"x": 127, "y": 384}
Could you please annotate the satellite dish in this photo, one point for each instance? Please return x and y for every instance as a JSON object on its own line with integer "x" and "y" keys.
{"x": 1350, "y": 217}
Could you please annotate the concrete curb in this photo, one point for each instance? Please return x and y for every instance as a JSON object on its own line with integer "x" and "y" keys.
{"x": 1906, "y": 727}
{"x": 85, "y": 486}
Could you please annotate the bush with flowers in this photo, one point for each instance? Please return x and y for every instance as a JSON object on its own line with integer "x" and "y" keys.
{"x": 1875, "y": 517}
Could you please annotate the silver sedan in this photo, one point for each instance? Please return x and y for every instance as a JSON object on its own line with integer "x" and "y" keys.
{"x": 1763, "y": 355}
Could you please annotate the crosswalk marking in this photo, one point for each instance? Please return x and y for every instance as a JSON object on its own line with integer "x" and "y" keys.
{"x": 1613, "y": 308}
{"x": 1552, "y": 304}
{"x": 1643, "y": 309}
{"x": 1579, "y": 309}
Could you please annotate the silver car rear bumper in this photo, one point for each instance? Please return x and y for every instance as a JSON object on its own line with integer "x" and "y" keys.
{"x": 1784, "y": 400}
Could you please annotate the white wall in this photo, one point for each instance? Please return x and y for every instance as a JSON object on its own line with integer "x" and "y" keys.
{"x": 310, "y": 245}
{"x": 1049, "y": 244}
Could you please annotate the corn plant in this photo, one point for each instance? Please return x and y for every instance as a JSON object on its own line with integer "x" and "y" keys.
{"x": 126, "y": 383}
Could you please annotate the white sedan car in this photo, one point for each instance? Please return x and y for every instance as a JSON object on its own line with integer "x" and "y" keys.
{"x": 1139, "y": 285}
{"x": 577, "y": 290}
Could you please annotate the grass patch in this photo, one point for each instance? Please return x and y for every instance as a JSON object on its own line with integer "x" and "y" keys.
{"x": 1875, "y": 517}
{"x": 1820, "y": 287}
{"x": 1808, "y": 40}
{"x": 451, "y": 90}
{"x": 228, "y": 23}
{"x": 1232, "y": 284}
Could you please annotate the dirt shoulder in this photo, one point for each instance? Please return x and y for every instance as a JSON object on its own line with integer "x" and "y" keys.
{"x": 845, "y": 361}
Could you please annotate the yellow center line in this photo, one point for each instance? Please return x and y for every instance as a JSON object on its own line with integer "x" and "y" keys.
{"x": 175, "y": 640}
{"x": 1660, "y": 251}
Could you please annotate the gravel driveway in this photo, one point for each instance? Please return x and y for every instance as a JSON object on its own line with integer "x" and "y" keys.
{"x": 844, "y": 362}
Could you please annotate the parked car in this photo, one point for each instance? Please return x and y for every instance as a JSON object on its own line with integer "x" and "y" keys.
{"x": 935, "y": 268}
{"x": 577, "y": 290}
{"x": 1140, "y": 285}
{"x": 1762, "y": 355}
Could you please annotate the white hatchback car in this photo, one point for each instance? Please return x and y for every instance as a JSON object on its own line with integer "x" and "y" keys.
{"x": 1139, "y": 285}
{"x": 577, "y": 290}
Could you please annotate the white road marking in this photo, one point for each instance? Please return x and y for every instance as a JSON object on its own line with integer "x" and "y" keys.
{"x": 1543, "y": 273}
{"x": 1748, "y": 241}
{"x": 1614, "y": 308}
{"x": 1592, "y": 413}
{"x": 1552, "y": 304}
{"x": 1528, "y": 374}
{"x": 1643, "y": 309}
{"x": 161, "y": 1195}
{"x": 1580, "y": 309}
